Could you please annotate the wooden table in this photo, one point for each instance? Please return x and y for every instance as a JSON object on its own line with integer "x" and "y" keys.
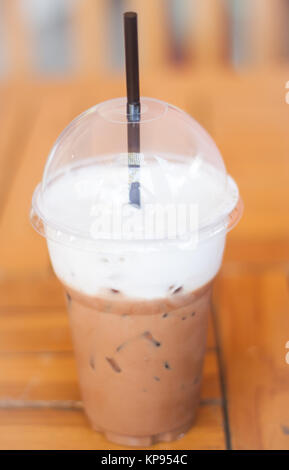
{"x": 245, "y": 396}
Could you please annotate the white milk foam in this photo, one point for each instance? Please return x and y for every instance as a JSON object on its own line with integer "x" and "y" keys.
{"x": 138, "y": 269}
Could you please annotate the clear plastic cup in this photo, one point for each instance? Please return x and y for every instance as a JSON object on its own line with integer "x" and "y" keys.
{"x": 138, "y": 280}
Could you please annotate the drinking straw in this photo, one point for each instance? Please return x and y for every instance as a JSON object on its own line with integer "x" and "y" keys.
{"x": 133, "y": 105}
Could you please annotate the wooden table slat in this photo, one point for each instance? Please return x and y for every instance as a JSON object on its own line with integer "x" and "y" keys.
{"x": 253, "y": 318}
{"x": 64, "y": 429}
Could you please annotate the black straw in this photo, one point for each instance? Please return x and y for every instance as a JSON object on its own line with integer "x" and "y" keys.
{"x": 133, "y": 105}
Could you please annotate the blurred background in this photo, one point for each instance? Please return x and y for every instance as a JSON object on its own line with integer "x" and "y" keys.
{"x": 60, "y": 38}
{"x": 225, "y": 62}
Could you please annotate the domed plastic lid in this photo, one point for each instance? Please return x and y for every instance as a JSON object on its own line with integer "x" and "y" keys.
{"x": 184, "y": 188}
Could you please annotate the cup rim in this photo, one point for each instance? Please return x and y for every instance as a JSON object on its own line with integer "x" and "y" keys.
{"x": 66, "y": 236}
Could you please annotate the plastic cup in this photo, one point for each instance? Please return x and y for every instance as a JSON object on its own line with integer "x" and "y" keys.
{"x": 138, "y": 281}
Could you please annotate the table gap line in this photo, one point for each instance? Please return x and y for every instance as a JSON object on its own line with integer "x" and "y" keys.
{"x": 11, "y": 403}
{"x": 226, "y": 422}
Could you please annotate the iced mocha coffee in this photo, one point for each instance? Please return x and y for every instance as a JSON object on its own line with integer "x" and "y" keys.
{"x": 138, "y": 298}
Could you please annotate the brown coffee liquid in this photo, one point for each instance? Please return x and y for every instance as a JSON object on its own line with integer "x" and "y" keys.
{"x": 140, "y": 362}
